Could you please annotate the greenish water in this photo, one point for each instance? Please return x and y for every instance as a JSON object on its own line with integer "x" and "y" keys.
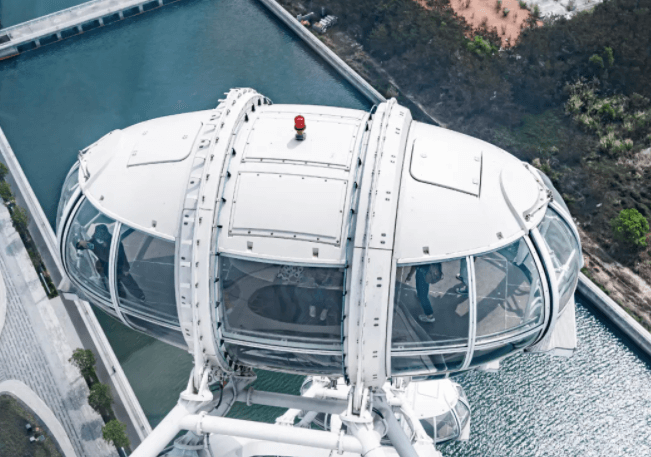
{"x": 60, "y": 98}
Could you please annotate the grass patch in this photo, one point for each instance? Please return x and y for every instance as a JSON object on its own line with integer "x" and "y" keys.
{"x": 14, "y": 439}
{"x": 588, "y": 275}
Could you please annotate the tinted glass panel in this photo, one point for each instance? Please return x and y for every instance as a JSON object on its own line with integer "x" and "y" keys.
{"x": 431, "y": 305}
{"x": 281, "y": 302}
{"x": 565, "y": 252}
{"x": 87, "y": 250}
{"x": 426, "y": 363}
{"x": 290, "y": 362}
{"x": 482, "y": 356}
{"x": 446, "y": 427}
{"x": 145, "y": 275}
{"x": 168, "y": 335}
{"x": 509, "y": 292}
{"x": 557, "y": 196}
{"x": 70, "y": 185}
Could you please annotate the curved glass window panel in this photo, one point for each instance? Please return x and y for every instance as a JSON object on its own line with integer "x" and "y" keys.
{"x": 286, "y": 361}
{"x": 145, "y": 276}
{"x": 565, "y": 253}
{"x": 426, "y": 363}
{"x": 555, "y": 193}
{"x": 87, "y": 250}
{"x": 509, "y": 292}
{"x": 463, "y": 413}
{"x": 70, "y": 185}
{"x": 431, "y": 306}
{"x": 483, "y": 356}
{"x": 162, "y": 333}
{"x": 281, "y": 303}
{"x": 446, "y": 427}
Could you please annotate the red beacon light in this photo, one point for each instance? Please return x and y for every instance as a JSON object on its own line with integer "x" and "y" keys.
{"x": 299, "y": 126}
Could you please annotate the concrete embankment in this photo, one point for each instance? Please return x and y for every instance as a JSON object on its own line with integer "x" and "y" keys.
{"x": 77, "y": 313}
{"x": 598, "y": 299}
{"x": 324, "y": 52}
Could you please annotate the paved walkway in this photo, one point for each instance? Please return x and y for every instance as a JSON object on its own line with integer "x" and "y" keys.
{"x": 35, "y": 348}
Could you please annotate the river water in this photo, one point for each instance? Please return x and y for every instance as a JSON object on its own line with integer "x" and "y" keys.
{"x": 60, "y": 98}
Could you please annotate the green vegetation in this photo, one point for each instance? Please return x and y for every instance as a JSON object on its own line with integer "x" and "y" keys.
{"x": 84, "y": 360}
{"x": 631, "y": 228}
{"x": 5, "y": 191}
{"x": 20, "y": 221}
{"x": 481, "y": 47}
{"x": 523, "y": 4}
{"x": 116, "y": 432}
{"x": 620, "y": 123}
{"x": 14, "y": 439}
{"x": 3, "y": 171}
{"x": 100, "y": 398}
{"x": 596, "y": 59}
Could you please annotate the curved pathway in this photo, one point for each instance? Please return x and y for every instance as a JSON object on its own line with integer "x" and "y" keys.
{"x": 37, "y": 406}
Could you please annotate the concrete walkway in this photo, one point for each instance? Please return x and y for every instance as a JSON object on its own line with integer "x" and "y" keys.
{"x": 35, "y": 348}
{"x": 26, "y": 395}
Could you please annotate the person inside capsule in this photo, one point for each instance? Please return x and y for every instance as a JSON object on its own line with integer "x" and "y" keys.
{"x": 100, "y": 246}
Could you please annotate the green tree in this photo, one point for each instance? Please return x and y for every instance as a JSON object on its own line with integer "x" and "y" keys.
{"x": 630, "y": 227}
{"x": 596, "y": 60}
{"x": 5, "y": 190}
{"x": 84, "y": 360}
{"x": 3, "y": 171}
{"x": 610, "y": 56}
{"x": 100, "y": 398}
{"x": 20, "y": 219}
{"x": 116, "y": 432}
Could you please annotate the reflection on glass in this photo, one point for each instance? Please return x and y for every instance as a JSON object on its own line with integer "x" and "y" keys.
{"x": 446, "y": 427}
{"x": 483, "y": 356}
{"x": 69, "y": 187}
{"x": 282, "y": 302}
{"x": 426, "y": 363}
{"x": 431, "y": 305}
{"x": 509, "y": 292}
{"x": 557, "y": 196}
{"x": 160, "y": 332}
{"x": 565, "y": 253}
{"x": 463, "y": 413}
{"x": 292, "y": 362}
{"x": 87, "y": 250}
{"x": 145, "y": 275}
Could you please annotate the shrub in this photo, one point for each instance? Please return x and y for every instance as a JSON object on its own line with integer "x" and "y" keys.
{"x": 523, "y": 4}
{"x": 5, "y": 191}
{"x": 630, "y": 227}
{"x": 610, "y": 56}
{"x": 116, "y": 432}
{"x": 20, "y": 219}
{"x": 596, "y": 59}
{"x": 3, "y": 171}
{"x": 480, "y": 46}
{"x": 506, "y": 12}
{"x": 100, "y": 398}
{"x": 84, "y": 360}
{"x": 536, "y": 12}
{"x": 498, "y": 5}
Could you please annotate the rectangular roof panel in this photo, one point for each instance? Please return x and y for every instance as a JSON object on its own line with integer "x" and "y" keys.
{"x": 329, "y": 140}
{"x": 289, "y": 206}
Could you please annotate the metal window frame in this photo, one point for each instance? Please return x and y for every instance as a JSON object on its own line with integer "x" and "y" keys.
{"x": 550, "y": 273}
{"x": 94, "y": 298}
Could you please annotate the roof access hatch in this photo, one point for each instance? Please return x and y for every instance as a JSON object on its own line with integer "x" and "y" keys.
{"x": 447, "y": 164}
